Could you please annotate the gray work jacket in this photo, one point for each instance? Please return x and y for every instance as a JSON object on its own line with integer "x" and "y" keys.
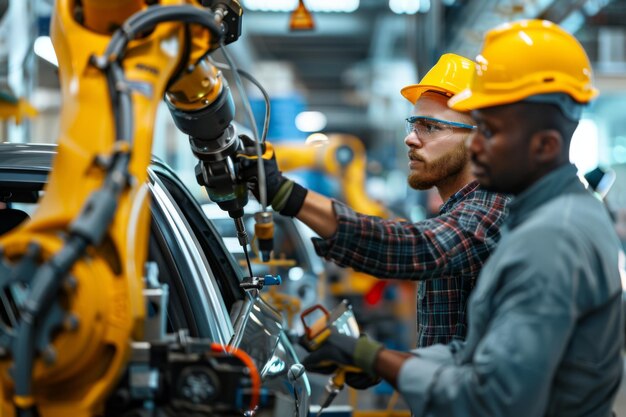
{"x": 545, "y": 322}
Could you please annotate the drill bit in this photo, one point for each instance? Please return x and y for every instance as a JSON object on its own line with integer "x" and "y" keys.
{"x": 332, "y": 390}
{"x": 242, "y": 236}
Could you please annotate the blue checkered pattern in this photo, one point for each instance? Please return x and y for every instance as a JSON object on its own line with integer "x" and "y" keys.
{"x": 445, "y": 254}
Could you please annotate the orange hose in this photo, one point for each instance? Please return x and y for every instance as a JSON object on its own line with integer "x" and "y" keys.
{"x": 247, "y": 360}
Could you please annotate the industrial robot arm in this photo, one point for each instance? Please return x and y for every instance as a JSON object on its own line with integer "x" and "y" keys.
{"x": 72, "y": 279}
{"x": 343, "y": 158}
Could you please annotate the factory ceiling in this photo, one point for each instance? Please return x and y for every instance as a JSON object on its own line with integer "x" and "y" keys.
{"x": 352, "y": 64}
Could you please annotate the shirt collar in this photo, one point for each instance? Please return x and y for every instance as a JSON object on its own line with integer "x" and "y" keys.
{"x": 458, "y": 196}
{"x": 562, "y": 180}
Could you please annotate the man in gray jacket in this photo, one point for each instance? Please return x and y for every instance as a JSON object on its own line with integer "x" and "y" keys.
{"x": 545, "y": 323}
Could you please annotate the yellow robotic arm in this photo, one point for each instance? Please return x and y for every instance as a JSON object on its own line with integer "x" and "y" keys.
{"x": 342, "y": 157}
{"x": 74, "y": 273}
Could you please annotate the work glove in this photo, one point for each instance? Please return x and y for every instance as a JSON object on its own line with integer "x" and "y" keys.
{"x": 361, "y": 380}
{"x": 339, "y": 350}
{"x": 284, "y": 195}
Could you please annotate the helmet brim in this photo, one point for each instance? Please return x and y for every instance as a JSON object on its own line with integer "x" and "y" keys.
{"x": 415, "y": 91}
{"x": 467, "y": 100}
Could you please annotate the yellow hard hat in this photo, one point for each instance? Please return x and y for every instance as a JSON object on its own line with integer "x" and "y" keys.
{"x": 451, "y": 74}
{"x": 524, "y": 59}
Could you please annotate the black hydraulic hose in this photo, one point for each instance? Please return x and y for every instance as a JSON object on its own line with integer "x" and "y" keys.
{"x": 138, "y": 23}
{"x": 255, "y": 131}
{"x": 153, "y": 15}
{"x": 88, "y": 229}
{"x": 121, "y": 102}
{"x": 46, "y": 284}
{"x": 266, "y": 97}
{"x": 24, "y": 355}
{"x": 98, "y": 211}
{"x": 27, "y": 412}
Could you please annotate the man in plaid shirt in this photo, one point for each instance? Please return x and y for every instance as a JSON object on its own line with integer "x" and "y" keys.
{"x": 445, "y": 253}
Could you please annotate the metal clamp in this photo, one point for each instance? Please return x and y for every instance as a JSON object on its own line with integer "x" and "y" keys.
{"x": 257, "y": 283}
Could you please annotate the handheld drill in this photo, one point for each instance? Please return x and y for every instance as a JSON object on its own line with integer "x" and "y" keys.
{"x": 342, "y": 320}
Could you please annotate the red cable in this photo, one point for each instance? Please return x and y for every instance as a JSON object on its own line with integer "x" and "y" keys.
{"x": 247, "y": 360}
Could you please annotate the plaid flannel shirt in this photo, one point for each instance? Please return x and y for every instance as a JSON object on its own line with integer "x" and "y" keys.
{"x": 444, "y": 253}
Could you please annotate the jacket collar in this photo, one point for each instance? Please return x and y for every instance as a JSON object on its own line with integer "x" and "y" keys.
{"x": 562, "y": 180}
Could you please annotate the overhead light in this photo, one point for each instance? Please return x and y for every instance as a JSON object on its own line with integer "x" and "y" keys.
{"x": 328, "y": 6}
{"x": 44, "y": 49}
{"x": 409, "y": 6}
{"x": 296, "y": 273}
{"x": 404, "y": 6}
{"x": 310, "y": 121}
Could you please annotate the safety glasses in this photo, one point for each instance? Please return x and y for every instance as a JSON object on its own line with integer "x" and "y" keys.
{"x": 429, "y": 129}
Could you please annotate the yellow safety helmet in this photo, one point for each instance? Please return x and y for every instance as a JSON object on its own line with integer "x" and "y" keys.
{"x": 523, "y": 59}
{"x": 450, "y": 75}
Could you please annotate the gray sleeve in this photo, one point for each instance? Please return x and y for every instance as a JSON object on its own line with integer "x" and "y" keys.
{"x": 426, "y": 363}
{"x": 509, "y": 373}
{"x": 443, "y": 354}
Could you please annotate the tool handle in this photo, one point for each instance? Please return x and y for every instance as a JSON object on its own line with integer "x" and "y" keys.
{"x": 319, "y": 325}
{"x": 339, "y": 377}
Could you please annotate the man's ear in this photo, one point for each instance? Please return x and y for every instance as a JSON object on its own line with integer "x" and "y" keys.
{"x": 546, "y": 146}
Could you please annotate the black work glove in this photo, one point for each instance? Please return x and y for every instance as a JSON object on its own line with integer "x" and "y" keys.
{"x": 284, "y": 195}
{"x": 341, "y": 350}
{"x": 361, "y": 380}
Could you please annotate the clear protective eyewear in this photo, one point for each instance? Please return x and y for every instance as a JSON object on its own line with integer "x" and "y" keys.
{"x": 429, "y": 129}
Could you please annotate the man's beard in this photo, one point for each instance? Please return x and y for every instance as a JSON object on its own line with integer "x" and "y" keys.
{"x": 442, "y": 169}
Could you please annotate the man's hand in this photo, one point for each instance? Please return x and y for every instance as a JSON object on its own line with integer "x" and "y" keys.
{"x": 339, "y": 350}
{"x": 361, "y": 380}
{"x": 248, "y": 163}
{"x": 336, "y": 351}
{"x": 284, "y": 195}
